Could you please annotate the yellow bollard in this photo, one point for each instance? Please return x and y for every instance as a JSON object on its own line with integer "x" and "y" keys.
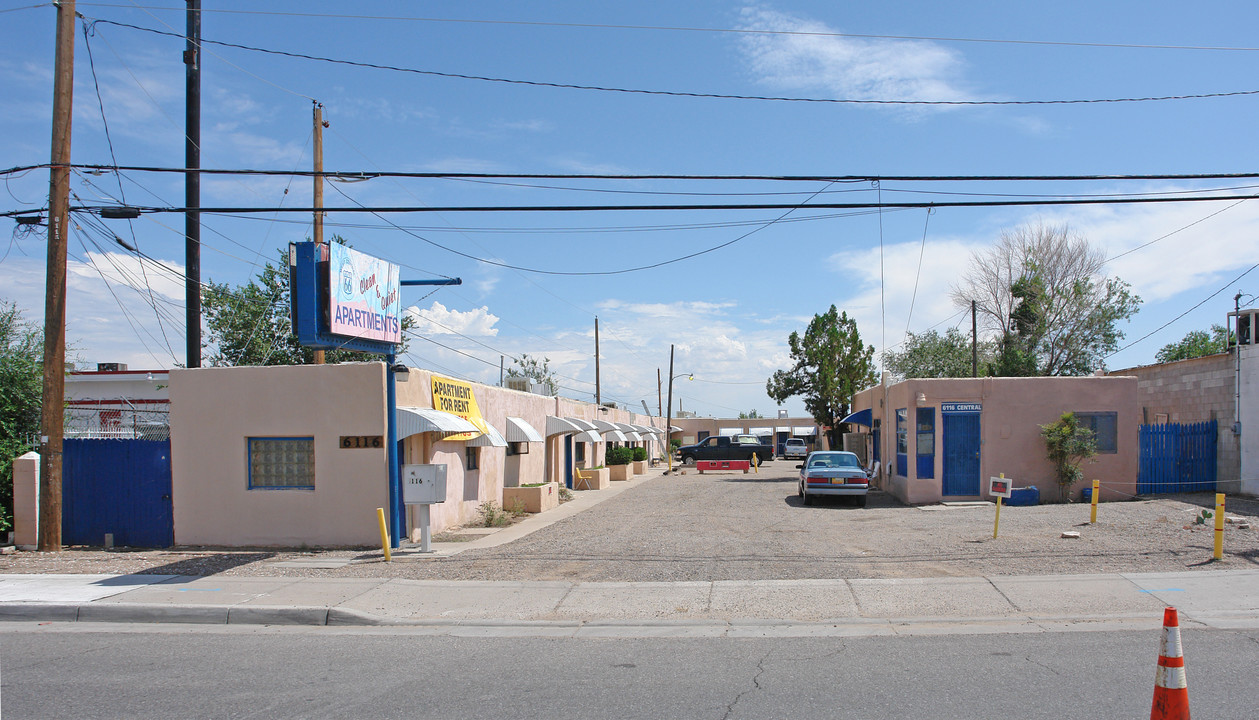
{"x": 756, "y": 463}
{"x": 1097, "y": 486}
{"x": 384, "y": 533}
{"x": 997, "y": 522}
{"x": 1219, "y": 526}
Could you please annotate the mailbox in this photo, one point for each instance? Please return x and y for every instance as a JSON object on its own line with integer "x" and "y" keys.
{"x": 423, "y": 484}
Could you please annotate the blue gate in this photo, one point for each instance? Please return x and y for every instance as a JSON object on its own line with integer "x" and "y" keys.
{"x": 961, "y": 453}
{"x": 1177, "y": 458}
{"x": 116, "y": 486}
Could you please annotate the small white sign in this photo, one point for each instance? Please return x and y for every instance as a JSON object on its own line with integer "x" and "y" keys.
{"x": 999, "y": 486}
{"x": 423, "y": 484}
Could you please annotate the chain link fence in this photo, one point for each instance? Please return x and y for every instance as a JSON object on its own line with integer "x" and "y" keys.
{"x": 117, "y": 423}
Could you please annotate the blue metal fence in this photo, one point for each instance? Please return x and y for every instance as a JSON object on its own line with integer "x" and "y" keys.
{"x": 1177, "y": 458}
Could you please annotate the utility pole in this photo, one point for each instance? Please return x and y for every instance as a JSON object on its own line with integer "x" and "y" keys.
{"x": 974, "y": 342}
{"x": 52, "y": 415}
{"x": 598, "y": 397}
{"x": 318, "y": 197}
{"x": 501, "y": 361}
{"x": 668, "y": 420}
{"x": 192, "y": 185}
{"x": 659, "y": 397}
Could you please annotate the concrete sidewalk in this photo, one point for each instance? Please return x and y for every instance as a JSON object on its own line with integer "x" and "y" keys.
{"x": 1217, "y": 599}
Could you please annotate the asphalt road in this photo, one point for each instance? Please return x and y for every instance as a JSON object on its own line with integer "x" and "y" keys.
{"x": 58, "y": 671}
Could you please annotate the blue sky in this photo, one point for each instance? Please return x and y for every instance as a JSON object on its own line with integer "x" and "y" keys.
{"x": 728, "y": 312}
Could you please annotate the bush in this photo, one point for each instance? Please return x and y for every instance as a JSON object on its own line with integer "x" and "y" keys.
{"x": 619, "y": 456}
{"x": 1067, "y": 444}
{"x": 640, "y": 454}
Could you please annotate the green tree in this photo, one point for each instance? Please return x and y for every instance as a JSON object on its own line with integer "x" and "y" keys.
{"x": 1067, "y": 444}
{"x": 250, "y": 325}
{"x": 932, "y": 355}
{"x": 750, "y": 415}
{"x": 1196, "y": 343}
{"x": 21, "y": 390}
{"x": 831, "y": 364}
{"x": 538, "y": 371}
{"x": 1042, "y": 294}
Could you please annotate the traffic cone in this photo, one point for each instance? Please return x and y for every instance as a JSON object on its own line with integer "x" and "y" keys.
{"x": 1171, "y": 692}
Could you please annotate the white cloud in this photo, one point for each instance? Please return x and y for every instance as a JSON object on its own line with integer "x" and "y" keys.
{"x": 847, "y": 67}
{"x": 667, "y": 311}
{"x": 438, "y": 320}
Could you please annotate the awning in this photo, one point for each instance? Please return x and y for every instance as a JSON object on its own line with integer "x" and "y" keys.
{"x": 674, "y": 428}
{"x": 634, "y": 437}
{"x": 616, "y": 435}
{"x": 643, "y": 429}
{"x": 491, "y": 438}
{"x": 729, "y": 431}
{"x": 804, "y": 431}
{"x": 588, "y": 436}
{"x": 626, "y": 427}
{"x": 415, "y": 420}
{"x": 861, "y": 417}
{"x": 782, "y": 428}
{"x": 760, "y": 431}
{"x": 560, "y": 426}
{"x": 581, "y": 424}
{"x": 604, "y": 426}
{"x": 520, "y": 431}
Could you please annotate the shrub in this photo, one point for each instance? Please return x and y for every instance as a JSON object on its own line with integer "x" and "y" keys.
{"x": 492, "y": 515}
{"x": 619, "y": 456}
{"x": 1067, "y": 444}
{"x": 640, "y": 454}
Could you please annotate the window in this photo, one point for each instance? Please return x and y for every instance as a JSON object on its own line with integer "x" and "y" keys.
{"x": 902, "y": 442}
{"x": 1105, "y": 427}
{"x": 470, "y": 453}
{"x": 579, "y": 452}
{"x": 926, "y": 442}
{"x": 517, "y": 448}
{"x": 281, "y": 463}
{"x": 702, "y": 435}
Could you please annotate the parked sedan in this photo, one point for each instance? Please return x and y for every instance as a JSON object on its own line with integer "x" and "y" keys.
{"x": 830, "y": 472}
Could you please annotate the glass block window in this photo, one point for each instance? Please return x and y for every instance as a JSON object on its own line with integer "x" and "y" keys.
{"x": 281, "y": 463}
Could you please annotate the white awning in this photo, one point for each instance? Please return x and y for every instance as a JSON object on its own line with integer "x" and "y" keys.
{"x": 760, "y": 431}
{"x": 492, "y": 438}
{"x": 559, "y": 426}
{"x": 674, "y": 428}
{"x": 804, "y": 431}
{"x": 642, "y": 429}
{"x": 782, "y": 428}
{"x": 588, "y": 436}
{"x": 727, "y": 431}
{"x": 616, "y": 435}
{"x": 634, "y": 437}
{"x": 582, "y": 424}
{"x": 520, "y": 431}
{"x": 415, "y": 420}
{"x": 626, "y": 427}
{"x": 604, "y": 426}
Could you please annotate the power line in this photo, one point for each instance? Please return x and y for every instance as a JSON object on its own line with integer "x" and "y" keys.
{"x": 1195, "y": 307}
{"x": 684, "y": 94}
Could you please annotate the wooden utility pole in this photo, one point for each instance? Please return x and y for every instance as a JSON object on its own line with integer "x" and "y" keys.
{"x": 318, "y": 199}
{"x": 192, "y": 186}
{"x": 659, "y": 397}
{"x": 974, "y": 342}
{"x": 52, "y": 415}
{"x": 598, "y": 397}
{"x": 668, "y": 419}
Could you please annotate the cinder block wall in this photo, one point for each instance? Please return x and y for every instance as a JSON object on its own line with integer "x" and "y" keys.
{"x": 1195, "y": 390}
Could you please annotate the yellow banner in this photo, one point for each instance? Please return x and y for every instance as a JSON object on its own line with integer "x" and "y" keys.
{"x": 455, "y": 397}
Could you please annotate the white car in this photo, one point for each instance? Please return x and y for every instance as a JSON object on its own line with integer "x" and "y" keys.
{"x": 795, "y": 449}
{"x": 831, "y": 472}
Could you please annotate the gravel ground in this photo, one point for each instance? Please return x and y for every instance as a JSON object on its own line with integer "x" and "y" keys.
{"x": 753, "y": 527}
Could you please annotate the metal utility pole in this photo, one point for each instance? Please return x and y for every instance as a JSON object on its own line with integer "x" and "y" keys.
{"x": 668, "y": 420}
{"x": 318, "y": 196}
{"x": 192, "y": 184}
{"x": 974, "y": 342}
{"x": 598, "y": 397}
{"x": 52, "y": 415}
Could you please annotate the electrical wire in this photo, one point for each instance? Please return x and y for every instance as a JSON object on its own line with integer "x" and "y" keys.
{"x": 1195, "y": 307}
{"x": 675, "y": 93}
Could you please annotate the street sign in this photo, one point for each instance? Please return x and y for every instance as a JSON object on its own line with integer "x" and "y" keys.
{"x": 999, "y": 486}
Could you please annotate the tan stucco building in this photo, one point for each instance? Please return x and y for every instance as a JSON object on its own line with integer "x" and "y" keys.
{"x": 941, "y": 439}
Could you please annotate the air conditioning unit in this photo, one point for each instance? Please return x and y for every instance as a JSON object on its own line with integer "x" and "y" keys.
{"x": 517, "y": 383}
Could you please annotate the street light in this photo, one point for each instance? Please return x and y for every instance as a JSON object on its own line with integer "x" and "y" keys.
{"x": 668, "y": 421}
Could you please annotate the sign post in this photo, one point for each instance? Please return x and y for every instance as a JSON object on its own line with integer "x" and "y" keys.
{"x": 1000, "y": 487}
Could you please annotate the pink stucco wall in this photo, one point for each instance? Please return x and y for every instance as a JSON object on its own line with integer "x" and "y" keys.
{"x": 214, "y": 411}
{"x": 1013, "y": 410}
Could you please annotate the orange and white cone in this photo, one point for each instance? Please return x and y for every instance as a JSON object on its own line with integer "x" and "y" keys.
{"x": 1171, "y": 692}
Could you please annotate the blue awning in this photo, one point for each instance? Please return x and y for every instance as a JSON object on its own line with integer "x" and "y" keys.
{"x": 861, "y": 417}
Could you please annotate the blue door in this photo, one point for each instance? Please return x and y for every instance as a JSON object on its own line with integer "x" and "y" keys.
{"x": 568, "y": 461}
{"x": 121, "y": 487}
{"x": 961, "y": 453}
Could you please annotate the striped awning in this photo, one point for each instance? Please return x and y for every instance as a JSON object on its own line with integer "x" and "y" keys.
{"x": 491, "y": 438}
{"x": 560, "y": 426}
{"x": 588, "y": 436}
{"x": 520, "y": 431}
{"x": 414, "y": 420}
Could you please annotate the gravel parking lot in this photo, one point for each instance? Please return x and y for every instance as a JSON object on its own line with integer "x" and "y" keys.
{"x": 708, "y": 527}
